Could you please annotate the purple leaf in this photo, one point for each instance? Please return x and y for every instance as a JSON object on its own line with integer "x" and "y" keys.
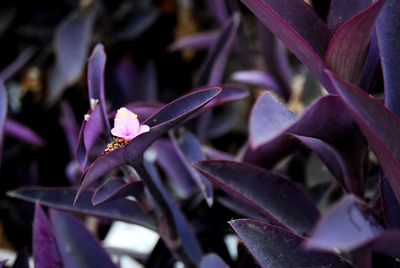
{"x": 2, "y": 263}
{"x": 137, "y": 82}
{"x": 96, "y": 66}
{"x": 70, "y": 126}
{"x": 18, "y": 63}
{"x": 166, "y": 118}
{"x": 372, "y": 62}
{"x": 276, "y": 60}
{"x": 348, "y": 47}
{"x": 341, "y": 11}
{"x": 212, "y": 261}
{"x": 213, "y": 68}
{"x": 194, "y": 42}
{"x": 172, "y": 164}
{"x": 230, "y": 93}
{"x": 3, "y": 113}
{"x": 89, "y": 134}
{"x": 272, "y": 246}
{"x": 298, "y": 26}
{"x": 22, "y": 133}
{"x": 256, "y": 78}
{"x": 189, "y": 150}
{"x": 323, "y": 118}
{"x": 63, "y": 198}
{"x": 389, "y": 50}
{"x": 174, "y": 228}
{"x": 72, "y": 39}
{"x": 137, "y": 23}
{"x": 116, "y": 188}
{"x": 350, "y": 224}
{"x": 220, "y": 10}
{"x": 345, "y": 162}
{"x": 78, "y": 247}
{"x": 277, "y": 198}
{"x": 387, "y": 243}
{"x": 380, "y": 127}
{"x": 45, "y": 251}
{"x": 268, "y": 118}
{"x": 143, "y": 109}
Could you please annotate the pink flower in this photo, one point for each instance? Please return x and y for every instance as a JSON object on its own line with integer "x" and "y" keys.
{"x": 127, "y": 126}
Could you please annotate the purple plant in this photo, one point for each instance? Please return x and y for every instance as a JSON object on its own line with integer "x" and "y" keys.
{"x": 263, "y": 122}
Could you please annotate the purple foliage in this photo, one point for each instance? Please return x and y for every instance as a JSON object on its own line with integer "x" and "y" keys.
{"x": 298, "y": 159}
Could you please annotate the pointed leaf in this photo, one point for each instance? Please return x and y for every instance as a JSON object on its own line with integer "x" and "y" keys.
{"x": 72, "y": 39}
{"x": 22, "y": 133}
{"x": 78, "y": 247}
{"x": 256, "y": 78}
{"x": 297, "y": 25}
{"x": 268, "y": 118}
{"x": 22, "y": 59}
{"x": 172, "y": 164}
{"x": 96, "y": 67}
{"x": 348, "y": 47}
{"x": 350, "y": 224}
{"x": 389, "y": 50}
{"x": 272, "y": 246}
{"x": 213, "y": 68}
{"x": 380, "y": 127}
{"x": 346, "y": 163}
{"x": 89, "y": 134}
{"x": 276, "y": 60}
{"x": 166, "y": 118}
{"x": 63, "y": 198}
{"x": 70, "y": 126}
{"x": 277, "y": 198}
{"x": 189, "y": 150}
{"x": 45, "y": 251}
{"x": 116, "y": 188}
{"x": 326, "y": 120}
{"x": 195, "y": 42}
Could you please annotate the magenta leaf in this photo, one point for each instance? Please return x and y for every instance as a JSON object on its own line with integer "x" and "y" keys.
{"x": 348, "y": 47}
{"x": 213, "y": 68}
{"x": 166, "y": 118}
{"x": 212, "y": 261}
{"x": 298, "y": 26}
{"x": 389, "y": 43}
{"x": 63, "y": 198}
{"x": 45, "y": 251}
{"x": 22, "y": 133}
{"x": 379, "y": 126}
{"x": 115, "y": 188}
{"x": 277, "y": 198}
{"x": 349, "y": 225}
{"x": 77, "y": 246}
{"x": 273, "y": 246}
